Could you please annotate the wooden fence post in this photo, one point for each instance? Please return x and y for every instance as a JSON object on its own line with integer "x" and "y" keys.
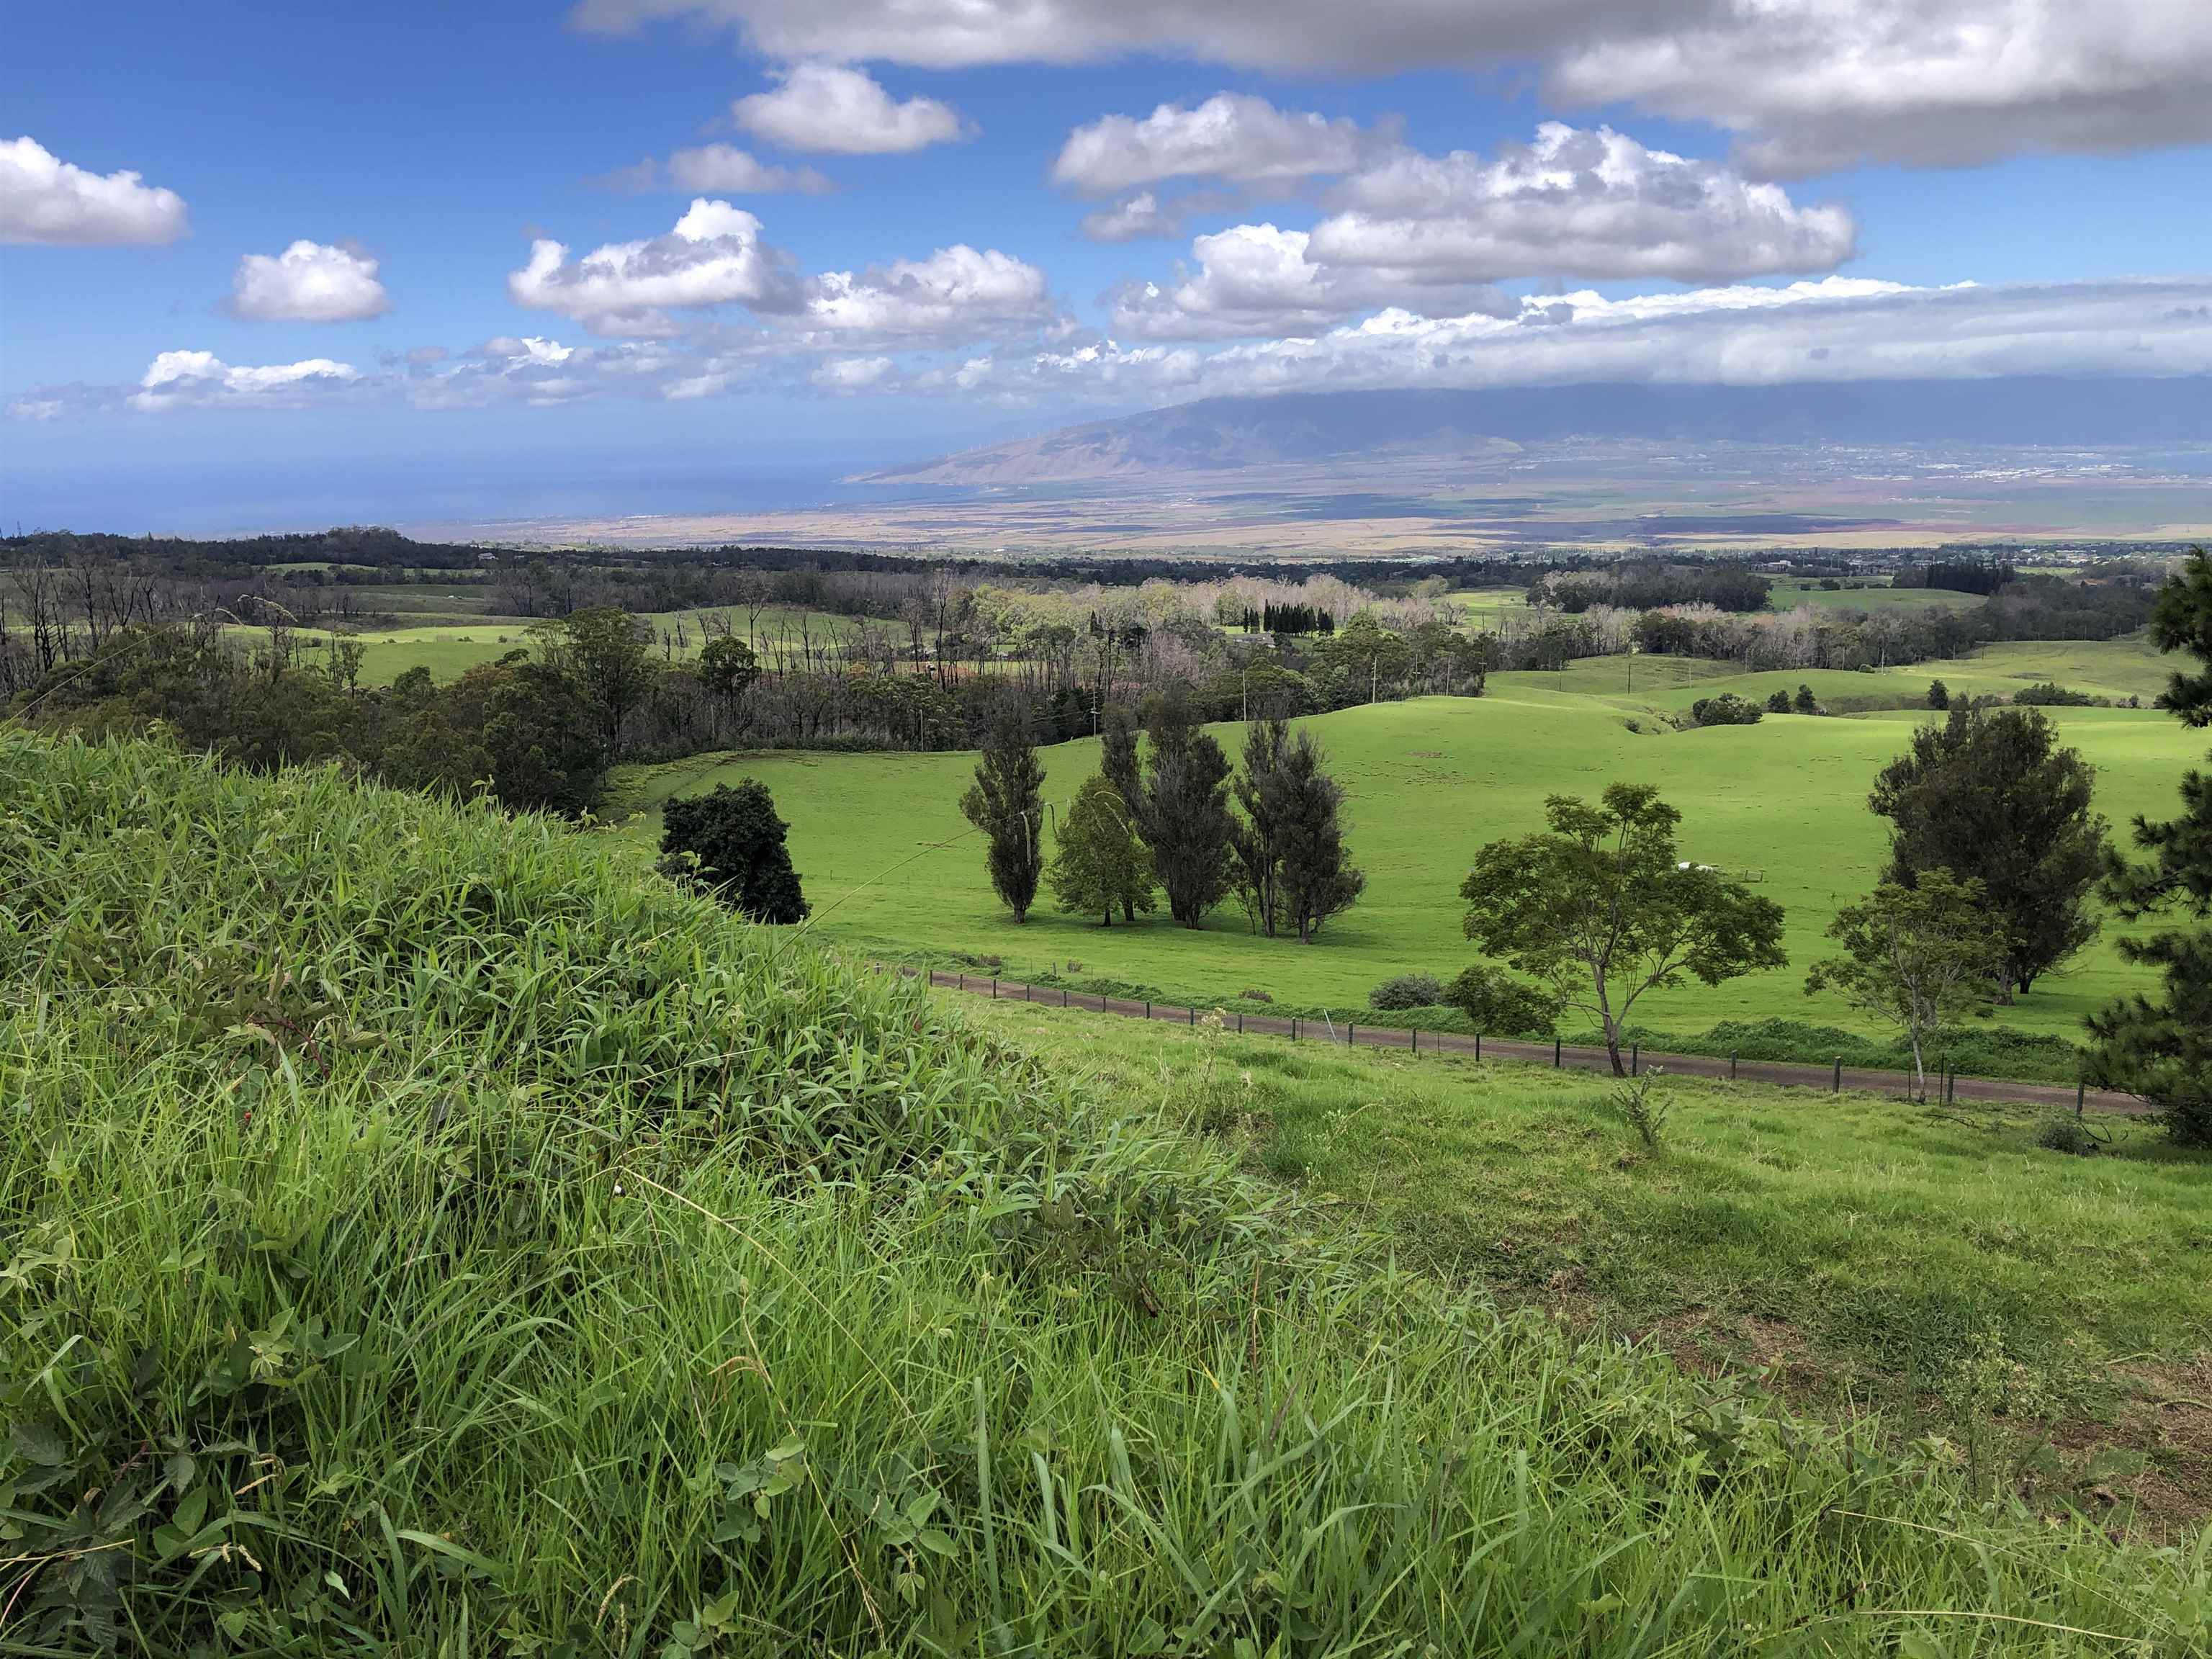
{"x": 1838, "y": 1087}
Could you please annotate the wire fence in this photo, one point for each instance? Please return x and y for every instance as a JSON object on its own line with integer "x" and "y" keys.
{"x": 1834, "y": 1078}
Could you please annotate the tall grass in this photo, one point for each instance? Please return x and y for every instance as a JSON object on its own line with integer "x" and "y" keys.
{"x": 419, "y": 1234}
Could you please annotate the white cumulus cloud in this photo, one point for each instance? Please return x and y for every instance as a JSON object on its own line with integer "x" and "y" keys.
{"x": 713, "y": 169}
{"x": 1231, "y": 135}
{"x": 308, "y": 283}
{"x": 200, "y": 378}
{"x": 1583, "y": 203}
{"x": 44, "y": 198}
{"x": 835, "y": 109}
{"x": 1130, "y": 218}
{"x": 1836, "y": 329}
{"x": 1809, "y": 85}
{"x": 848, "y": 374}
{"x": 716, "y": 255}
{"x": 955, "y": 292}
{"x": 1254, "y": 280}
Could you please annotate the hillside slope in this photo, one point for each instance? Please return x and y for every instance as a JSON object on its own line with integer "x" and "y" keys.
{"x": 426, "y": 1233}
{"x": 1308, "y": 428}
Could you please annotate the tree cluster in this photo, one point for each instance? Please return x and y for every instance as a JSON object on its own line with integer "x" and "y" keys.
{"x": 528, "y": 730}
{"x": 1645, "y": 585}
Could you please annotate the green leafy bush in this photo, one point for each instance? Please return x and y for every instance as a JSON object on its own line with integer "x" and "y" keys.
{"x": 2045, "y": 694}
{"x": 2065, "y": 1132}
{"x": 1496, "y": 1002}
{"x": 1405, "y": 991}
{"x": 732, "y": 843}
{"x": 1727, "y": 709}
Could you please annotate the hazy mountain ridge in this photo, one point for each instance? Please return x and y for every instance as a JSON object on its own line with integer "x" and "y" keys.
{"x": 1227, "y": 434}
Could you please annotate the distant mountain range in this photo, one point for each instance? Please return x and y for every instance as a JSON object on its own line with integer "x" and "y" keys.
{"x": 1348, "y": 428}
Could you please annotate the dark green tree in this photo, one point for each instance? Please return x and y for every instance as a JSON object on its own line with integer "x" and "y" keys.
{"x": 1255, "y": 841}
{"x": 1318, "y": 877}
{"x": 2160, "y": 1049}
{"x": 1006, "y": 803}
{"x": 1185, "y": 820}
{"x": 727, "y": 669}
{"x": 1100, "y": 864}
{"x": 1777, "y": 701}
{"x": 604, "y": 651}
{"x": 1991, "y": 796}
{"x": 732, "y": 844}
{"x": 1117, "y": 756}
{"x": 1939, "y": 694}
{"x": 521, "y": 726}
{"x": 1118, "y": 764}
{"x": 1806, "y": 703}
{"x": 1601, "y": 910}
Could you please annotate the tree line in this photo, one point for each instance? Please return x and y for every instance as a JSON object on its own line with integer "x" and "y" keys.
{"x": 1170, "y": 817}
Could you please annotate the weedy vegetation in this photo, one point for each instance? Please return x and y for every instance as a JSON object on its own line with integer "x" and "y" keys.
{"x": 423, "y": 1232}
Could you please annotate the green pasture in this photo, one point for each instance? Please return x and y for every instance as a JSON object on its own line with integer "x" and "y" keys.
{"x": 2118, "y": 669}
{"x": 450, "y": 649}
{"x": 890, "y": 865}
{"x": 1788, "y": 594}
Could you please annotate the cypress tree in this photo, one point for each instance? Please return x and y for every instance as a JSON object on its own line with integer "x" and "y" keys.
{"x": 2160, "y": 1049}
{"x": 1319, "y": 878}
{"x": 1185, "y": 820}
{"x": 1256, "y": 839}
{"x": 1006, "y": 803}
{"x": 1117, "y": 763}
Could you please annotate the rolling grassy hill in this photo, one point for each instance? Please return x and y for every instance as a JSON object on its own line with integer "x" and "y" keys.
{"x": 891, "y": 866}
{"x": 423, "y": 1233}
{"x": 1869, "y": 1248}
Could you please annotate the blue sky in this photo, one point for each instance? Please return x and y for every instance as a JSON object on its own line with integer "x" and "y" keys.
{"x": 1694, "y": 172}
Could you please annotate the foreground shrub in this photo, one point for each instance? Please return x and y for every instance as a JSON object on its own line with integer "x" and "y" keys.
{"x": 1407, "y": 991}
{"x": 423, "y": 1233}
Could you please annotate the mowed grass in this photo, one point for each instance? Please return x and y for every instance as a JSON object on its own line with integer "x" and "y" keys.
{"x": 1882, "y": 1251}
{"x": 449, "y": 649}
{"x": 2115, "y": 669}
{"x": 1787, "y": 595}
{"x": 890, "y": 865}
